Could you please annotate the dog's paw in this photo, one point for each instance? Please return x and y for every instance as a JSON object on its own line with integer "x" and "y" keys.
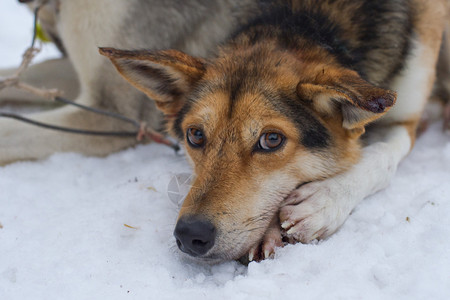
{"x": 315, "y": 211}
{"x": 266, "y": 248}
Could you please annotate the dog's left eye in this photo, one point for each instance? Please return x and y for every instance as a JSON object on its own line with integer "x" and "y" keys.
{"x": 270, "y": 141}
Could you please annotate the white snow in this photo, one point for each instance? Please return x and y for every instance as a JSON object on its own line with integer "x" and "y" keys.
{"x": 63, "y": 233}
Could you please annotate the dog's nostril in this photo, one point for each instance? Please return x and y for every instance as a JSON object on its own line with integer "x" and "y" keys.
{"x": 199, "y": 243}
{"x": 194, "y": 236}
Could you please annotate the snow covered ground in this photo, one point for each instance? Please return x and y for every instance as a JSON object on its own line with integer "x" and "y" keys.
{"x": 63, "y": 232}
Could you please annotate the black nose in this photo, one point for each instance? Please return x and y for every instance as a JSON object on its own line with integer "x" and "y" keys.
{"x": 194, "y": 236}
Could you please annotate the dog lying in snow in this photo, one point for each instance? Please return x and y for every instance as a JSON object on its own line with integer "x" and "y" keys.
{"x": 289, "y": 124}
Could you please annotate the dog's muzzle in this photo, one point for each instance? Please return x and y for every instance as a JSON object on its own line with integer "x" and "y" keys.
{"x": 194, "y": 235}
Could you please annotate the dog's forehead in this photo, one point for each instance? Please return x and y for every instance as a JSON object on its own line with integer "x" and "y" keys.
{"x": 260, "y": 105}
{"x": 232, "y": 110}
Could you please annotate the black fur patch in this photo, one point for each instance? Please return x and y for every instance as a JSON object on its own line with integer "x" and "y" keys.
{"x": 199, "y": 91}
{"x": 180, "y": 117}
{"x": 288, "y": 26}
{"x": 378, "y": 50}
{"x": 385, "y": 36}
{"x": 313, "y": 134}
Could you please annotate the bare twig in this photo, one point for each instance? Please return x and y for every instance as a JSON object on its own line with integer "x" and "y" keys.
{"x": 13, "y": 80}
{"x": 28, "y": 56}
{"x": 49, "y": 94}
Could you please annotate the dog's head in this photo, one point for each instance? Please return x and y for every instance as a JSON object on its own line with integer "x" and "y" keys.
{"x": 256, "y": 124}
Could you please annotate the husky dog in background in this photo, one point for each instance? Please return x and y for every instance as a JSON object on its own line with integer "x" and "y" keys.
{"x": 274, "y": 121}
{"x": 79, "y": 27}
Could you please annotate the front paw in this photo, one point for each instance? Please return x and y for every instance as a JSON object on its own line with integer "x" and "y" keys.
{"x": 315, "y": 211}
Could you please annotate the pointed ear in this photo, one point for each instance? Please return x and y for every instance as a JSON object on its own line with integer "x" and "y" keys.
{"x": 357, "y": 100}
{"x": 165, "y": 76}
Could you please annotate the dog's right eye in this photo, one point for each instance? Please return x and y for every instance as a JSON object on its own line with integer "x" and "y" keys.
{"x": 195, "y": 137}
{"x": 270, "y": 141}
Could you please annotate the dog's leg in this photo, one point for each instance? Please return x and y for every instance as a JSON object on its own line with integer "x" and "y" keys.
{"x": 20, "y": 141}
{"x": 53, "y": 74}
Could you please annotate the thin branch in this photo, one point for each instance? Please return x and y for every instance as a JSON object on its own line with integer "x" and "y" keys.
{"x": 49, "y": 94}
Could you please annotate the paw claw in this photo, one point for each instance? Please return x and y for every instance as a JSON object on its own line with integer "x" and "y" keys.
{"x": 253, "y": 253}
{"x": 291, "y": 231}
{"x": 267, "y": 254}
{"x": 286, "y": 225}
{"x": 250, "y": 257}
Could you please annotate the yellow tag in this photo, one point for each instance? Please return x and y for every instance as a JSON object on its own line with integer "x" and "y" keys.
{"x": 40, "y": 34}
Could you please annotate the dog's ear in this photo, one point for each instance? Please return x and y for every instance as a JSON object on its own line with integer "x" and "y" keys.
{"x": 165, "y": 76}
{"x": 347, "y": 93}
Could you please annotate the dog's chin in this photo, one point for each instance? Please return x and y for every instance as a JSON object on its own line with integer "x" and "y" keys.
{"x": 203, "y": 260}
{"x": 214, "y": 258}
